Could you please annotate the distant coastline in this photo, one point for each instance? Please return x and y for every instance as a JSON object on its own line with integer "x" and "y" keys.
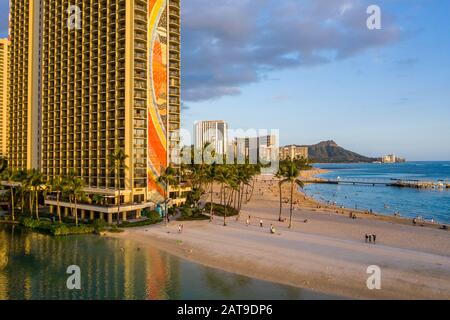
{"x": 384, "y": 208}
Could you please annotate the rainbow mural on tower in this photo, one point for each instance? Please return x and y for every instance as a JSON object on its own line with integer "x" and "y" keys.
{"x": 158, "y": 93}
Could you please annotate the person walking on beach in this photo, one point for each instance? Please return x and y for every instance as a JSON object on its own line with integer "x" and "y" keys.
{"x": 272, "y": 229}
{"x": 367, "y": 238}
{"x": 261, "y": 223}
{"x": 180, "y": 228}
{"x": 370, "y": 238}
{"x": 374, "y": 236}
{"x": 247, "y": 222}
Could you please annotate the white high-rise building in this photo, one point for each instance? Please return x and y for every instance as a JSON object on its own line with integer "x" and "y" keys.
{"x": 212, "y": 132}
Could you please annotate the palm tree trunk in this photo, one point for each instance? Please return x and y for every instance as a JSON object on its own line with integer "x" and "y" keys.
{"x": 76, "y": 213}
{"x": 292, "y": 194}
{"x": 212, "y": 192}
{"x": 242, "y": 198}
{"x": 251, "y": 193}
{"x": 37, "y": 204}
{"x": 118, "y": 205}
{"x": 12, "y": 203}
{"x": 22, "y": 201}
{"x": 230, "y": 201}
{"x": 225, "y": 216}
{"x": 31, "y": 204}
{"x": 281, "y": 203}
{"x": 58, "y": 208}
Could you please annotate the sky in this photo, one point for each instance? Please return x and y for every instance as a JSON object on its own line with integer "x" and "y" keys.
{"x": 314, "y": 71}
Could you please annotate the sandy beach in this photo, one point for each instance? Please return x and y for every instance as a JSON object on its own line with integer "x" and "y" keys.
{"x": 325, "y": 250}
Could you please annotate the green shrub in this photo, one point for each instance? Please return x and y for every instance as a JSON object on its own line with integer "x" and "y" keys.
{"x": 190, "y": 214}
{"x": 100, "y": 225}
{"x": 65, "y": 230}
{"x": 115, "y": 229}
{"x": 154, "y": 219}
{"x": 154, "y": 216}
{"x": 56, "y": 229}
{"x": 37, "y": 225}
{"x": 220, "y": 210}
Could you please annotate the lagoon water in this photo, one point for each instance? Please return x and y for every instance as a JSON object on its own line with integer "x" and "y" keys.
{"x": 33, "y": 266}
{"x": 429, "y": 204}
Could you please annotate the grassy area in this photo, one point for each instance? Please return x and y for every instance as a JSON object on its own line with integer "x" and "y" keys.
{"x": 219, "y": 210}
{"x": 44, "y": 225}
{"x": 192, "y": 214}
{"x": 153, "y": 217}
{"x": 56, "y": 229}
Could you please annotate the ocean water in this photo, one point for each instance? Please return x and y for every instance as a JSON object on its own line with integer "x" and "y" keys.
{"x": 34, "y": 266}
{"x": 428, "y": 204}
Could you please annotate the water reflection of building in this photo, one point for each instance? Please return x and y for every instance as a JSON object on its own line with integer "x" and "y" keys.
{"x": 3, "y": 263}
{"x": 110, "y": 269}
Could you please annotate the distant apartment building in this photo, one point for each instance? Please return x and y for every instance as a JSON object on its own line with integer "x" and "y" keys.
{"x": 294, "y": 152}
{"x": 211, "y": 132}
{"x": 78, "y": 93}
{"x": 4, "y": 76}
{"x": 256, "y": 149}
{"x": 392, "y": 158}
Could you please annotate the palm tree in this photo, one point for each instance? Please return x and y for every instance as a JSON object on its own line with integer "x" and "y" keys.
{"x": 97, "y": 199}
{"x": 279, "y": 175}
{"x": 56, "y": 185}
{"x": 22, "y": 177}
{"x": 227, "y": 179}
{"x": 3, "y": 165}
{"x": 243, "y": 176}
{"x": 28, "y": 183}
{"x": 37, "y": 180}
{"x": 290, "y": 175}
{"x": 167, "y": 179}
{"x": 118, "y": 158}
{"x": 9, "y": 176}
{"x": 74, "y": 187}
{"x": 67, "y": 187}
{"x": 211, "y": 177}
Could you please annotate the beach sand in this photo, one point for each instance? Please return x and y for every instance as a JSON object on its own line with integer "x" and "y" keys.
{"x": 327, "y": 253}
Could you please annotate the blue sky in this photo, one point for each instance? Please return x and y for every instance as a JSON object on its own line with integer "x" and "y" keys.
{"x": 313, "y": 70}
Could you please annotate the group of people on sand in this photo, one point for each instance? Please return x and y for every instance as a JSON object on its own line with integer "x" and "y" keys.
{"x": 371, "y": 238}
{"x": 261, "y": 224}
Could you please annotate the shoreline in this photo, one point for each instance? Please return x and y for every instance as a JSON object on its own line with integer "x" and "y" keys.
{"x": 323, "y": 252}
{"x": 346, "y": 210}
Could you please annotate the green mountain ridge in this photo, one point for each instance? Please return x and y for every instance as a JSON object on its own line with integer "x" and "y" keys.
{"x": 331, "y": 152}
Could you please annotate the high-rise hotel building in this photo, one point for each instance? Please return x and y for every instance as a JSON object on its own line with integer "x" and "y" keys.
{"x": 24, "y": 84}
{"x": 109, "y": 76}
{"x": 4, "y": 76}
